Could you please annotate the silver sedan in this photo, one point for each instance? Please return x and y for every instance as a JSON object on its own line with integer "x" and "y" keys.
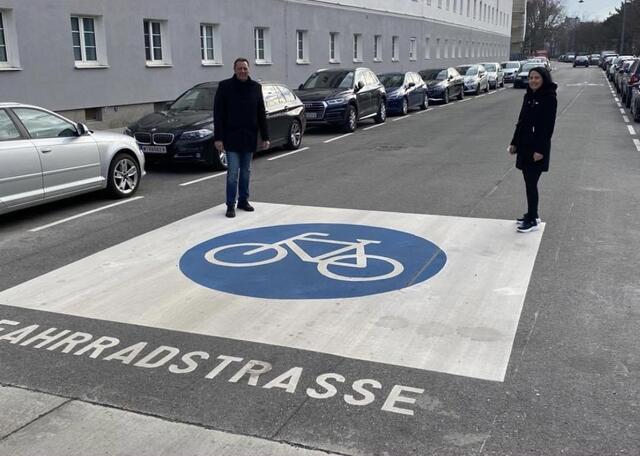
{"x": 45, "y": 157}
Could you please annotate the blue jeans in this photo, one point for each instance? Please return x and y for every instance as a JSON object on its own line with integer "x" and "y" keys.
{"x": 238, "y": 173}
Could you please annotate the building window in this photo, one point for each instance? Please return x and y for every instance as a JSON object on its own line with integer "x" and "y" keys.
{"x": 357, "y": 47}
{"x": 413, "y": 49}
{"x": 210, "y": 45}
{"x": 83, "y": 32}
{"x": 475, "y": 8}
{"x": 4, "y": 58}
{"x": 395, "y": 48}
{"x": 446, "y": 48}
{"x": 93, "y": 114}
{"x": 262, "y": 45}
{"x": 334, "y": 47}
{"x": 377, "y": 48}
{"x": 438, "y": 48}
{"x": 466, "y": 49}
{"x": 302, "y": 47}
{"x": 440, "y": 4}
{"x": 455, "y": 6}
{"x": 468, "y": 8}
{"x": 156, "y": 43}
{"x": 427, "y": 48}
{"x": 448, "y": 4}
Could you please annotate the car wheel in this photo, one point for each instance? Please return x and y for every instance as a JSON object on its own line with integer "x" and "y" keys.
{"x": 382, "y": 112}
{"x": 425, "y": 102}
{"x": 445, "y": 99}
{"x": 352, "y": 119}
{"x": 478, "y": 89}
{"x": 405, "y": 107}
{"x": 124, "y": 175}
{"x": 218, "y": 160}
{"x": 295, "y": 135}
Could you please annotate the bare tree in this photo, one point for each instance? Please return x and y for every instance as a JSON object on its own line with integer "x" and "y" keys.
{"x": 544, "y": 17}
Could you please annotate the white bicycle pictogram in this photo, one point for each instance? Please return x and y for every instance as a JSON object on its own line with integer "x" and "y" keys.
{"x": 334, "y": 258}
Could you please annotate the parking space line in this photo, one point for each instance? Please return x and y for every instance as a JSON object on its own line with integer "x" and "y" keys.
{"x": 202, "y": 179}
{"x": 288, "y": 153}
{"x": 616, "y": 98}
{"x": 400, "y": 118}
{"x": 337, "y": 137}
{"x": 73, "y": 217}
{"x": 619, "y": 105}
{"x": 422, "y": 111}
{"x": 637, "y": 144}
{"x": 632, "y": 131}
{"x": 373, "y": 126}
{"x": 622, "y": 111}
{"x": 626, "y": 119}
{"x": 480, "y": 96}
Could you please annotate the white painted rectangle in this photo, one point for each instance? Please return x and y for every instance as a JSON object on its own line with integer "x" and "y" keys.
{"x": 462, "y": 321}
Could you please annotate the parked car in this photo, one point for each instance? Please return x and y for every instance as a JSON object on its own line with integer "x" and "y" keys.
{"x": 615, "y": 65}
{"x": 522, "y": 80}
{"x": 495, "y": 74}
{"x": 634, "y": 104}
{"x": 475, "y": 77}
{"x": 604, "y": 55}
{"x": 621, "y": 75}
{"x": 511, "y": 70}
{"x": 594, "y": 59}
{"x": 570, "y": 58}
{"x": 342, "y": 97}
{"x": 607, "y": 62}
{"x": 404, "y": 91}
{"x": 630, "y": 78}
{"x": 183, "y": 132}
{"x": 581, "y": 60}
{"x": 545, "y": 61}
{"x": 46, "y": 157}
{"x": 443, "y": 84}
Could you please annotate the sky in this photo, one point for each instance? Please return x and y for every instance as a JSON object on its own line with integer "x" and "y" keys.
{"x": 597, "y": 10}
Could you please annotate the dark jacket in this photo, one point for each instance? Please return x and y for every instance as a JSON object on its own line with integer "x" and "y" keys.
{"x": 535, "y": 127}
{"x": 238, "y": 114}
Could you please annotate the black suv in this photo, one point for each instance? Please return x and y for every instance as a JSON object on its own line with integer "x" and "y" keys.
{"x": 343, "y": 97}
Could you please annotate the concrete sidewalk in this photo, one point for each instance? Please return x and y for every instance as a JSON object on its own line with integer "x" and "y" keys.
{"x": 39, "y": 424}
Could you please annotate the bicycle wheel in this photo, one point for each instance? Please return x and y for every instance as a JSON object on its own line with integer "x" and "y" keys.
{"x": 279, "y": 253}
{"x": 323, "y": 268}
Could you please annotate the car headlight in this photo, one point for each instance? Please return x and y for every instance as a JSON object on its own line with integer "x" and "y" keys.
{"x": 336, "y": 101}
{"x": 197, "y": 134}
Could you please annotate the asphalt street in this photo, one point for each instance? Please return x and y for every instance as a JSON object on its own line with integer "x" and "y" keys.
{"x": 572, "y": 382}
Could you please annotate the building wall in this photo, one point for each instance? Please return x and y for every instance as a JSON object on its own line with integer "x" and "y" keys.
{"x": 125, "y": 85}
{"x": 518, "y": 27}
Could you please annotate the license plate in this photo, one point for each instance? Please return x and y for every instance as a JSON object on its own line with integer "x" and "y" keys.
{"x": 311, "y": 115}
{"x": 153, "y": 149}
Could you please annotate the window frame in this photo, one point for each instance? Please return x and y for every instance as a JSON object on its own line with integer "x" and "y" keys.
{"x": 377, "y": 48}
{"x": 165, "y": 47}
{"x": 10, "y": 36}
{"x": 84, "y": 59}
{"x": 413, "y": 49}
{"x": 357, "y": 48}
{"x": 302, "y": 47}
{"x": 265, "y": 58}
{"x": 395, "y": 48}
{"x": 334, "y": 47}
{"x": 216, "y": 46}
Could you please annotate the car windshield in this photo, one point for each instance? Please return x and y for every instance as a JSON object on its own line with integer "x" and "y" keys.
{"x": 430, "y": 75}
{"x": 196, "y": 99}
{"x": 528, "y": 66}
{"x": 490, "y": 67}
{"x": 471, "y": 71}
{"x": 330, "y": 80}
{"x": 391, "y": 80}
{"x": 510, "y": 65}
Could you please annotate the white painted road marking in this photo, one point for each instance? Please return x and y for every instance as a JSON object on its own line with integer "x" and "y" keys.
{"x": 337, "y": 138}
{"x": 622, "y": 111}
{"x": 288, "y": 153}
{"x": 93, "y": 211}
{"x": 401, "y": 118}
{"x": 202, "y": 179}
{"x": 373, "y": 126}
{"x": 446, "y": 324}
{"x": 619, "y": 105}
{"x": 636, "y": 142}
{"x": 626, "y": 119}
{"x": 631, "y": 130}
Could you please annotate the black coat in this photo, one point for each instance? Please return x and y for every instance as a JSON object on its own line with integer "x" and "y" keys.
{"x": 238, "y": 114}
{"x": 535, "y": 128}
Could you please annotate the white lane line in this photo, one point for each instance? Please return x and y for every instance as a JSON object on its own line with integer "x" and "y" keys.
{"x": 288, "y": 153}
{"x": 632, "y": 131}
{"x": 637, "y": 143}
{"x": 373, "y": 126}
{"x": 73, "y": 217}
{"x": 202, "y": 179}
{"x": 622, "y": 111}
{"x": 422, "y": 111}
{"x": 619, "y": 105}
{"x": 616, "y": 98}
{"x": 400, "y": 118}
{"x": 626, "y": 119}
{"x": 466, "y": 99}
{"x": 337, "y": 138}
{"x": 480, "y": 96}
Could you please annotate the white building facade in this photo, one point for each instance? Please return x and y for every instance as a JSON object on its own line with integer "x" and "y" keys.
{"x": 106, "y": 62}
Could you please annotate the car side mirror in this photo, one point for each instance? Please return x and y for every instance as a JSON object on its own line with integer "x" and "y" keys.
{"x": 301, "y": 86}
{"x": 81, "y": 129}
{"x": 411, "y": 84}
{"x": 359, "y": 85}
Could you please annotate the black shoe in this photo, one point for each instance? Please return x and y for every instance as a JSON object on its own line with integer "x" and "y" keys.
{"x": 245, "y": 206}
{"x": 521, "y": 220}
{"x": 527, "y": 226}
{"x": 231, "y": 212}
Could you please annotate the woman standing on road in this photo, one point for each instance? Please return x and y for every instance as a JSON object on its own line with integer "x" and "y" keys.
{"x": 532, "y": 140}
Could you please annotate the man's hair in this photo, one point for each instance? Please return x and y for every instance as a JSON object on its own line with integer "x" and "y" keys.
{"x": 238, "y": 60}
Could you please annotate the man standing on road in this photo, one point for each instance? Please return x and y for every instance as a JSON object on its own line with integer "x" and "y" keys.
{"x": 238, "y": 114}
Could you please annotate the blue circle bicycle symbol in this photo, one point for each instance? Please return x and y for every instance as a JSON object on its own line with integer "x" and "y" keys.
{"x": 312, "y": 261}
